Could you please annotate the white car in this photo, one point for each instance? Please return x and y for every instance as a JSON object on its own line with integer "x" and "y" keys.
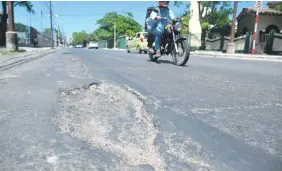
{"x": 93, "y": 45}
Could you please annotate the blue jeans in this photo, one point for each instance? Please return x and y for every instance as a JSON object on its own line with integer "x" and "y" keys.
{"x": 157, "y": 31}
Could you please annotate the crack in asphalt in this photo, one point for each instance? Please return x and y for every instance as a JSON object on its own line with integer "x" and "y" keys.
{"x": 222, "y": 109}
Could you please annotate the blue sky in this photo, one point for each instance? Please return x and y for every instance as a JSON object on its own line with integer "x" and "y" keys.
{"x": 76, "y": 16}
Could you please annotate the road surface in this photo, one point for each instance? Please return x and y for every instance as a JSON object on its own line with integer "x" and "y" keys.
{"x": 80, "y": 109}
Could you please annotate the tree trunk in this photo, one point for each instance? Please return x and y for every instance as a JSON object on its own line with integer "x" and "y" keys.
{"x": 203, "y": 39}
{"x": 3, "y": 24}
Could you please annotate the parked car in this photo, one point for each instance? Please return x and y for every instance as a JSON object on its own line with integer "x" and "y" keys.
{"x": 138, "y": 43}
{"x": 93, "y": 45}
{"x": 78, "y": 46}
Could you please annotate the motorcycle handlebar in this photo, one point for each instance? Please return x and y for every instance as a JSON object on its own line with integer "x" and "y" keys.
{"x": 164, "y": 18}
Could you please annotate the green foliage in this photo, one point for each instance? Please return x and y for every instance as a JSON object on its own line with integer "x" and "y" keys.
{"x": 79, "y": 37}
{"x": 205, "y": 26}
{"x": 278, "y": 7}
{"x": 215, "y": 13}
{"x": 125, "y": 25}
{"x": 93, "y": 37}
{"x": 26, "y": 4}
{"x": 186, "y": 16}
{"x": 19, "y": 27}
{"x": 47, "y": 32}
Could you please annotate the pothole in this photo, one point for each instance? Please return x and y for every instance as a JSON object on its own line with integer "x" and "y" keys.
{"x": 112, "y": 118}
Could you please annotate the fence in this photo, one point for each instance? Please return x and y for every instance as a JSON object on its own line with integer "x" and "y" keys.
{"x": 277, "y": 42}
{"x": 121, "y": 43}
{"x": 242, "y": 44}
{"x": 26, "y": 39}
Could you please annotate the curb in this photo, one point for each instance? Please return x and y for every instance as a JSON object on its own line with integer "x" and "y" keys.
{"x": 24, "y": 59}
{"x": 239, "y": 56}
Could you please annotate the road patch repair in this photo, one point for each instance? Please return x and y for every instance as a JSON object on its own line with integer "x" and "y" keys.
{"x": 112, "y": 118}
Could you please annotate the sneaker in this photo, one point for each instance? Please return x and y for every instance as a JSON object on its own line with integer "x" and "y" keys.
{"x": 151, "y": 50}
{"x": 158, "y": 53}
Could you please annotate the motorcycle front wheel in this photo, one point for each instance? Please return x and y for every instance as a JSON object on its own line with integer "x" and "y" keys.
{"x": 182, "y": 57}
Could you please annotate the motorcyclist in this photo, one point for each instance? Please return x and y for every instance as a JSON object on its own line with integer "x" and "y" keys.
{"x": 156, "y": 26}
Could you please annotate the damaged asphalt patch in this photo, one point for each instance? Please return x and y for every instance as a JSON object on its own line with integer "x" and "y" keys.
{"x": 114, "y": 119}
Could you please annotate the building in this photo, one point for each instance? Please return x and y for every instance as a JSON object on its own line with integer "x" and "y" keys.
{"x": 269, "y": 19}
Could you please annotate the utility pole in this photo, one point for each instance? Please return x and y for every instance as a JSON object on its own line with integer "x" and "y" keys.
{"x": 231, "y": 45}
{"x": 41, "y": 22}
{"x": 41, "y": 28}
{"x": 115, "y": 27}
{"x": 51, "y": 22}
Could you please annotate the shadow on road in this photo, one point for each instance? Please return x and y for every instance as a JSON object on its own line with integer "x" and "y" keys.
{"x": 160, "y": 61}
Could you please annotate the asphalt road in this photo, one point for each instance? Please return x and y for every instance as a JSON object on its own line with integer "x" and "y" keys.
{"x": 80, "y": 109}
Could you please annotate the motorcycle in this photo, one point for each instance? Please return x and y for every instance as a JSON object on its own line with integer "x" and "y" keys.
{"x": 172, "y": 42}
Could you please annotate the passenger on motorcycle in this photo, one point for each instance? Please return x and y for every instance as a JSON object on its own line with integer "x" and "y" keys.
{"x": 156, "y": 26}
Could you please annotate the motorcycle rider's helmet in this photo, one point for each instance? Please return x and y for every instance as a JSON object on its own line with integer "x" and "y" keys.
{"x": 163, "y": 4}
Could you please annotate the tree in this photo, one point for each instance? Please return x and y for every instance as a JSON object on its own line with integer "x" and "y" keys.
{"x": 3, "y": 27}
{"x": 125, "y": 23}
{"x": 93, "y": 37}
{"x": 275, "y": 5}
{"x": 79, "y": 37}
{"x": 211, "y": 14}
{"x": 19, "y": 27}
{"x": 47, "y": 32}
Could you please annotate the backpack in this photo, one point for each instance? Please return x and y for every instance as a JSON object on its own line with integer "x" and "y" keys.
{"x": 148, "y": 13}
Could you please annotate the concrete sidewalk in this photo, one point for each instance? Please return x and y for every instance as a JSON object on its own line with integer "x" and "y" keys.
{"x": 210, "y": 54}
{"x": 27, "y": 49}
{"x": 262, "y": 57}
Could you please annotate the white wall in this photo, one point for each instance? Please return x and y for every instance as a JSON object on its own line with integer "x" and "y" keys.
{"x": 240, "y": 43}
{"x": 225, "y": 43}
{"x": 246, "y": 21}
{"x": 277, "y": 44}
{"x": 213, "y": 44}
